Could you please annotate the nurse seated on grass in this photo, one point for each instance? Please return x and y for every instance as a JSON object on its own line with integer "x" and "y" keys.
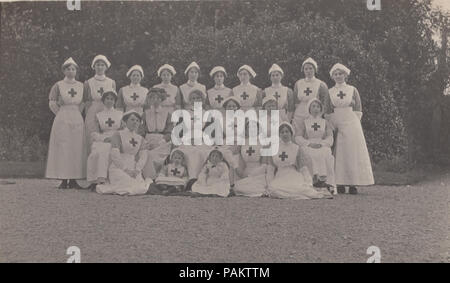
{"x": 128, "y": 159}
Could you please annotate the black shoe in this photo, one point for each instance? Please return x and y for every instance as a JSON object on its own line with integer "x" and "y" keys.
{"x": 322, "y": 184}
{"x": 92, "y": 187}
{"x": 341, "y": 189}
{"x": 232, "y": 193}
{"x": 63, "y": 185}
{"x": 352, "y": 190}
{"x": 74, "y": 185}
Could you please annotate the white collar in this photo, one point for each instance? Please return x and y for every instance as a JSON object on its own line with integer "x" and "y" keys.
{"x": 129, "y": 131}
{"x": 69, "y": 81}
{"x": 280, "y": 85}
{"x": 222, "y": 86}
{"x": 246, "y": 84}
{"x": 108, "y": 110}
{"x": 311, "y": 79}
{"x": 191, "y": 83}
{"x": 135, "y": 85}
{"x": 100, "y": 77}
{"x": 341, "y": 85}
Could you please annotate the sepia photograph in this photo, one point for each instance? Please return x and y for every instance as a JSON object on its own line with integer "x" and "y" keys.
{"x": 228, "y": 132}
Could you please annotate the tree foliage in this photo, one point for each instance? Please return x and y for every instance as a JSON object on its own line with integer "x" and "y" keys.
{"x": 390, "y": 52}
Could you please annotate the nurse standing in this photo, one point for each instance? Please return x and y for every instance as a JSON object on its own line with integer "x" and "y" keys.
{"x": 218, "y": 94}
{"x": 133, "y": 96}
{"x": 67, "y": 147}
{"x": 249, "y": 95}
{"x": 93, "y": 91}
{"x": 192, "y": 72}
{"x": 352, "y": 161}
{"x": 173, "y": 98}
{"x": 282, "y": 94}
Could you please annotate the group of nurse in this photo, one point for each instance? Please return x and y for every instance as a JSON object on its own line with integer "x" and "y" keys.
{"x": 120, "y": 142}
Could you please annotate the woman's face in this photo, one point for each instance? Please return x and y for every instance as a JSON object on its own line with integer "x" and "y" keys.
{"x": 154, "y": 100}
{"x": 309, "y": 71}
{"x": 215, "y": 157}
{"x": 109, "y": 101}
{"x": 133, "y": 122}
{"x": 270, "y": 105}
{"x": 285, "y": 134}
{"x": 275, "y": 77}
{"x": 197, "y": 97}
{"x": 219, "y": 78}
{"x": 136, "y": 77}
{"x": 70, "y": 71}
{"x": 177, "y": 158}
{"x": 166, "y": 76}
{"x": 193, "y": 74}
{"x": 100, "y": 68}
{"x": 315, "y": 108}
{"x": 244, "y": 76}
{"x": 231, "y": 105}
{"x": 339, "y": 76}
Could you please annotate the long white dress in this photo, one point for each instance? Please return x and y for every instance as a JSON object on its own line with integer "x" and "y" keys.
{"x": 352, "y": 163}
{"x": 67, "y": 146}
{"x": 315, "y": 131}
{"x": 122, "y": 159}
{"x": 254, "y": 183}
{"x": 109, "y": 122}
{"x": 213, "y": 180}
{"x": 288, "y": 182}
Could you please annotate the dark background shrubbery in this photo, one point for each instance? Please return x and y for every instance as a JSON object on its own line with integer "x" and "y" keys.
{"x": 391, "y": 54}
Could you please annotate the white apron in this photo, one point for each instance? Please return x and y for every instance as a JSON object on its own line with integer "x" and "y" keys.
{"x": 67, "y": 146}
{"x": 306, "y": 90}
{"x": 322, "y": 158}
{"x": 97, "y": 88}
{"x": 134, "y": 98}
{"x": 254, "y": 184}
{"x": 352, "y": 164}
{"x": 98, "y": 160}
{"x": 216, "y": 181}
{"x": 288, "y": 182}
{"x": 246, "y": 94}
{"x": 119, "y": 181}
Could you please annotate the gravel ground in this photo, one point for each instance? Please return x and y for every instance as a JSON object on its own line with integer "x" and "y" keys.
{"x": 408, "y": 223}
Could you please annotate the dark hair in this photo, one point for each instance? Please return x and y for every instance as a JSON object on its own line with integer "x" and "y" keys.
{"x": 157, "y": 91}
{"x": 315, "y": 101}
{"x": 109, "y": 93}
{"x": 127, "y": 116}
{"x": 223, "y": 158}
{"x": 224, "y": 105}
{"x": 286, "y": 126}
